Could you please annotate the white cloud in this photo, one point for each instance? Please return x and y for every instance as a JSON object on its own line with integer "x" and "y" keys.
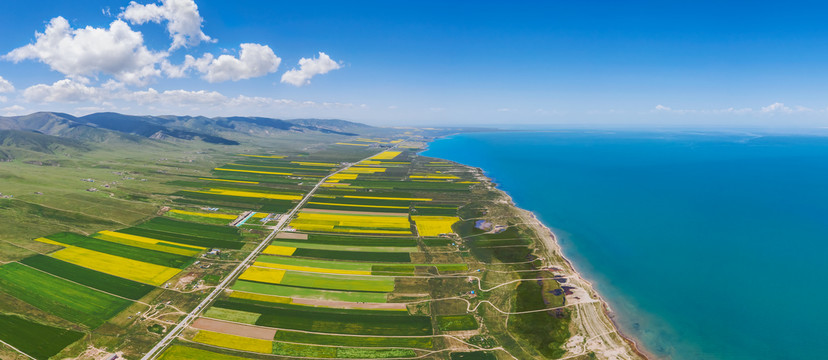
{"x": 5, "y": 86}
{"x": 66, "y": 90}
{"x": 118, "y": 51}
{"x": 660, "y": 107}
{"x": 504, "y": 110}
{"x": 13, "y": 110}
{"x": 254, "y": 60}
{"x": 182, "y": 17}
{"x": 309, "y": 68}
{"x": 176, "y": 97}
{"x": 776, "y": 107}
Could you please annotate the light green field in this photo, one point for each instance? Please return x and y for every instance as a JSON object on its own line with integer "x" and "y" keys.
{"x": 339, "y": 282}
{"x": 323, "y": 264}
{"x": 305, "y": 293}
{"x": 62, "y": 298}
{"x": 307, "y": 245}
{"x": 178, "y": 352}
{"x": 232, "y": 315}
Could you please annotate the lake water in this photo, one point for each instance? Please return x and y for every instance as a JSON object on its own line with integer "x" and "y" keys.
{"x": 707, "y": 246}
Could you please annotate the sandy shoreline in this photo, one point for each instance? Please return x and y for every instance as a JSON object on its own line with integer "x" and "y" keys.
{"x": 554, "y": 250}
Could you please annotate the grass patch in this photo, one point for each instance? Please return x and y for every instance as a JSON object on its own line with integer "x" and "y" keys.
{"x": 457, "y": 322}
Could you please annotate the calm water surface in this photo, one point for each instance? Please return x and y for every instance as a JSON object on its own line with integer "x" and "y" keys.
{"x": 706, "y": 246}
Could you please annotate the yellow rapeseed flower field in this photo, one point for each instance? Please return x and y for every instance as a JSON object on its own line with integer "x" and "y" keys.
{"x": 308, "y": 163}
{"x": 385, "y": 198}
{"x": 272, "y": 276}
{"x": 115, "y": 265}
{"x": 279, "y": 250}
{"x": 343, "y": 176}
{"x": 254, "y": 171}
{"x": 207, "y": 215}
{"x": 232, "y": 181}
{"x": 357, "y": 205}
{"x": 363, "y": 170}
{"x": 311, "y": 269}
{"x": 386, "y": 155}
{"x": 447, "y": 177}
{"x": 265, "y": 156}
{"x": 260, "y": 297}
{"x": 251, "y": 194}
{"x": 352, "y": 144}
{"x": 234, "y": 342}
{"x": 434, "y": 225}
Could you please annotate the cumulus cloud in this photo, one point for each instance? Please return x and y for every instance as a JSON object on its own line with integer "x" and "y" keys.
{"x": 176, "y": 97}
{"x": 66, "y": 90}
{"x": 309, "y": 68}
{"x": 13, "y": 110}
{"x": 5, "y": 86}
{"x": 182, "y": 17}
{"x": 254, "y": 60}
{"x": 118, "y": 51}
{"x": 776, "y": 107}
{"x": 660, "y": 107}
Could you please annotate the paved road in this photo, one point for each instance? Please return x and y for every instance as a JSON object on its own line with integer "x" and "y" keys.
{"x": 172, "y": 334}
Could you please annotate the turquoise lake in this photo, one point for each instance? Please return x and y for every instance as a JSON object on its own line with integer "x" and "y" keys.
{"x": 706, "y": 246}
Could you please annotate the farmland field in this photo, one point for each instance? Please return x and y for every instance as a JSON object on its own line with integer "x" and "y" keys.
{"x": 308, "y": 293}
{"x": 362, "y": 341}
{"x": 226, "y": 242}
{"x": 233, "y": 342}
{"x": 98, "y": 280}
{"x": 118, "y": 266}
{"x": 29, "y": 336}
{"x": 338, "y": 282}
{"x": 178, "y": 352}
{"x": 120, "y": 250}
{"x": 70, "y": 301}
{"x": 300, "y": 318}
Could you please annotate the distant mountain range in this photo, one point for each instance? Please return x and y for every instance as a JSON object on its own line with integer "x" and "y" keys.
{"x": 100, "y": 127}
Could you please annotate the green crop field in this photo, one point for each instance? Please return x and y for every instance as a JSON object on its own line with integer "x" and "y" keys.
{"x": 38, "y": 340}
{"x": 60, "y": 297}
{"x": 358, "y": 240}
{"x": 306, "y": 293}
{"x": 457, "y": 322}
{"x": 129, "y": 252}
{"x": 178, "y": 352}
{"x": 473, "y": 355}
{"x": 361, "y": 341}
{"x": 354, "y": 255}
{"x": 189, "y": 228}
{"x": 233, "y": 243}
{"x": 303, "y": 244}
{"x": 232, "y": 315}
{"x": 324, "y": 264}
{"x": 323, "y": 320}
{"x": 197, "y": 219}
{"x": 339, "y": 282}
{"x": 98, "y": 280}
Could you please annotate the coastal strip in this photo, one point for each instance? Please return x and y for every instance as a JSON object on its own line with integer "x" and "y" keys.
{"x": 594, "y": 329}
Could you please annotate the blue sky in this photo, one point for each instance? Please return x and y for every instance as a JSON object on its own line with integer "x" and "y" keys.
{"x": 423, "y": 63}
